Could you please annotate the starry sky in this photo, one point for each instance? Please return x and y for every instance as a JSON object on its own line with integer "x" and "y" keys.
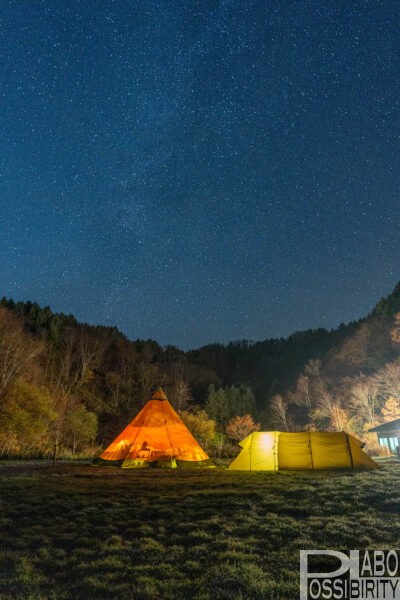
{"x": 197, "y": 171}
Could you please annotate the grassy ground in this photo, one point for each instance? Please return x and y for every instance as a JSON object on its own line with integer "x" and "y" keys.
{"x": 81, "y": 532}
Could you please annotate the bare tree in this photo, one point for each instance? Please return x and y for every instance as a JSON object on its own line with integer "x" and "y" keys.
{"x": 330, "y": 412}
{"x": 339, "y": 418}
{"x": 303, "y": 387}
{"x": 313, "y": 368}
{"x": 363, "y": 393}
{"x": 310, "y": 386}
{"x": 89, "y": 352}
{"x": 182, "y": 394}
{"x": 17, "y": 349}
{"x": 73, "y": 364}
{"x": 114, "y": 384}
{"x": 391, "y": 409}
{"x": 61, "y": 367}
{"x": 149, "y": 377}
{"x": 279, "y": 412}
{"x": 388, "y": 379}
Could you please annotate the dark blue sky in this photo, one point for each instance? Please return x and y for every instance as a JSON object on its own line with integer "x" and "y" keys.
{"x": 198, "y": 171}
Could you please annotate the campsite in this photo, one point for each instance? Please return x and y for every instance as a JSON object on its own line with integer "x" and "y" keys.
{"x": 79, "y": 531}
{"x": 199, "y": 300}
{"x": 153, "y": 518}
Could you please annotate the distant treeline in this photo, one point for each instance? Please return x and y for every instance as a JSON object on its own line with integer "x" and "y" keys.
{"x": 68, "y": 387}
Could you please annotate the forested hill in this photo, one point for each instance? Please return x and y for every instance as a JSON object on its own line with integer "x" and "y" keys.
{"x": 272, "y": 366}
{"x": 268, "y": 366}
{"x": 80, "y": 373}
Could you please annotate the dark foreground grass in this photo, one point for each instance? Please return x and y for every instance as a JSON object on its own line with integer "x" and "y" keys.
{"x": 81, "y": 532}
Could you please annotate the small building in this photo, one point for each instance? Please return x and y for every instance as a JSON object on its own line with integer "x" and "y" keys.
{"x": 388, "y": 435}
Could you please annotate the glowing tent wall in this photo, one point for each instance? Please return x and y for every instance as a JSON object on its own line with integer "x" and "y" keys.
{"x": 273, "y": 450}
{"x": 156, "y": 436}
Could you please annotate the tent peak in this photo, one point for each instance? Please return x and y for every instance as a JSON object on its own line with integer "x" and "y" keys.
{"x": 158, "y": 394}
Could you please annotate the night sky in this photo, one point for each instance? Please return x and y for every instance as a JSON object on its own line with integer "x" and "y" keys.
{"x": 199, "y": 171}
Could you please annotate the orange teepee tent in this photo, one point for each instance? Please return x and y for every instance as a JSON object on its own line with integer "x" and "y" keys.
{"x": 156, "y": 437}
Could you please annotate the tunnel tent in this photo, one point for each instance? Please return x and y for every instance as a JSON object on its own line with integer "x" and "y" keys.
{"x": 276, "y": 450}
{"x": 157, "y": 436}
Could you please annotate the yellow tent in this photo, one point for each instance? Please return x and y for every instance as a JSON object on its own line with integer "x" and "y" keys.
{"x": 273, "y": 450}
{"x": 156, "y": 436}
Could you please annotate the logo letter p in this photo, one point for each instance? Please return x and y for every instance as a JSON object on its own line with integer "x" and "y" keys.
{"x": 305, "y": 575}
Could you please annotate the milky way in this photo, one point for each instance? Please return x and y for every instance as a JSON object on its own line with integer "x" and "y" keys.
{"x": 200, "y": 171}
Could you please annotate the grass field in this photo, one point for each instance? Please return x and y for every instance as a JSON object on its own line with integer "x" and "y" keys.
{"x": 83, "y": 532}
